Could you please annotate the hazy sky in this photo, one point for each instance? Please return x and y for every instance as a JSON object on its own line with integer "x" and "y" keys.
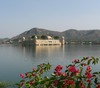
{"x": 17, "y": 16}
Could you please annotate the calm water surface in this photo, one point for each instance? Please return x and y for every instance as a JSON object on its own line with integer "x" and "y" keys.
{"x": 17, "y": 59}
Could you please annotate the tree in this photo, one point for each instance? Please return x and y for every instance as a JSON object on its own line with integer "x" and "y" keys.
{"x": 56, "y": 37}
{"x": 33, "y": 36}
{"x": 43, "y": 37}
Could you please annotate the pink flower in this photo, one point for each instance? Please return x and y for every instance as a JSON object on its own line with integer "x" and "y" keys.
{"x": 26, "y": 74}
{"x": 68, "y": 82}
{"x": 22, "y": 75}
{"x": 87, "y": 57}
{"x": 88, "y": 69}
{"x": 88, "y": 74}
{"x": 58, "y": 68}
{"x": 84, "y": 64}
{"x": 73, "y": 69}
{"x": 58, "y": 73}
{"x": 98, "y": 85}
{"x": 34, "y": 69}
{"x": 71, "y": 82}
{"x": 33, "y": 74}
{"x": 81, "y": 84}
{"x": 75, "y": 61}
{"x": 88, "y": 80}
{"x": 31, "y": 83}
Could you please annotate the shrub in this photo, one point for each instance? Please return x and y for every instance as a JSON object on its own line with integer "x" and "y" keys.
{"x": 76, "y": 75}
{"x": 2, "y": 85}
{"x": 56, "y": 37}
{"x": 43, "y": 37}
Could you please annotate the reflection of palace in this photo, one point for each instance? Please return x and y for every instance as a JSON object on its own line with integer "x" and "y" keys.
{"x": 48, "y": 41}
{"x": 46, "y": 51}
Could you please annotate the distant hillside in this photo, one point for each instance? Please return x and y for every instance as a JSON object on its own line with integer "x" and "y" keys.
{"x": 37, "y": 31}
{"x": 82, "y": 35}
{"x": 2, "y": 40}
{"x": 70, "y": 35}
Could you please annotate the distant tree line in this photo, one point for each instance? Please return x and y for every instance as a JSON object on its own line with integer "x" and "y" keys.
{"x": 44, "y": 37}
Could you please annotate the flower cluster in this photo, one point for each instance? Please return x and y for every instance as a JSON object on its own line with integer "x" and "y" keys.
{"x": 76, "y": 75}
{"x": 58, "y": 70}
{"x": 88, "y": 74}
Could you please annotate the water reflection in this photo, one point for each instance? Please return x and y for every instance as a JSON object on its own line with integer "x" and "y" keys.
{"x": 46, "y": 51}
{"x": 58, "y": 53}
{"x": 41, "y": 52}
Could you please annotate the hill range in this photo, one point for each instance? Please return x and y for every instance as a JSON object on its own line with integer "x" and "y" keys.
{"x": 70, "y": 35}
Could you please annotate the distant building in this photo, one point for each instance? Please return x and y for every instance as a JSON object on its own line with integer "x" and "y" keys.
{"x": 49, "y": 41}
{"x": 42, "y": 42}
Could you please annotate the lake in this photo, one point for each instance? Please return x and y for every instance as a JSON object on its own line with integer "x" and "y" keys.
{"x": 20, "y": 59}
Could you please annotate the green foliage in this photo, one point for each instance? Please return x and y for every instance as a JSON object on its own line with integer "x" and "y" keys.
{"x": 56, "y": 37}
{"x": 7, "y": 84}
{"x": 77, "y": 75}
{"x": 3, "y": 84}
{"x": 33, "y": 37}
{"x": 43, "y": 37}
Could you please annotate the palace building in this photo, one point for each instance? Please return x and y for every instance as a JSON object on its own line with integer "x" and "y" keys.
{"x": 44, "y": 42}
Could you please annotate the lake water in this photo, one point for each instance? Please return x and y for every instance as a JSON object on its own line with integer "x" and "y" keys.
{"x": 20, "y": 59}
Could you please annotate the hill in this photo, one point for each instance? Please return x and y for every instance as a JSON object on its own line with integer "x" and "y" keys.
{"x": 70, "y": 35}
{"x": 82, "y": 35}
{"x": 37, "y": 31}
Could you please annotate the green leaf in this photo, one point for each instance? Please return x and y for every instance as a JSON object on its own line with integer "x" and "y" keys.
{"x": 66, "y": 70}
{"x": 96, "y": 80}
{"x": 89, "y": 85}
{"x": 35, "y": 84}
{"x": 49, "y": 84}
{"x": 95, "y": 73}
{"x": 77, "y": 84}
{"x": 59, "y": 85}
{"x": 83, "y": 59}
{"x": 89, "y": 61}
{"x": 17, "y": 84}
{"x": 27, "y": 85}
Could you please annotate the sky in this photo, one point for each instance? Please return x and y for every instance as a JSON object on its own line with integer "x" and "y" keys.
{"x": 17, "y": 16}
